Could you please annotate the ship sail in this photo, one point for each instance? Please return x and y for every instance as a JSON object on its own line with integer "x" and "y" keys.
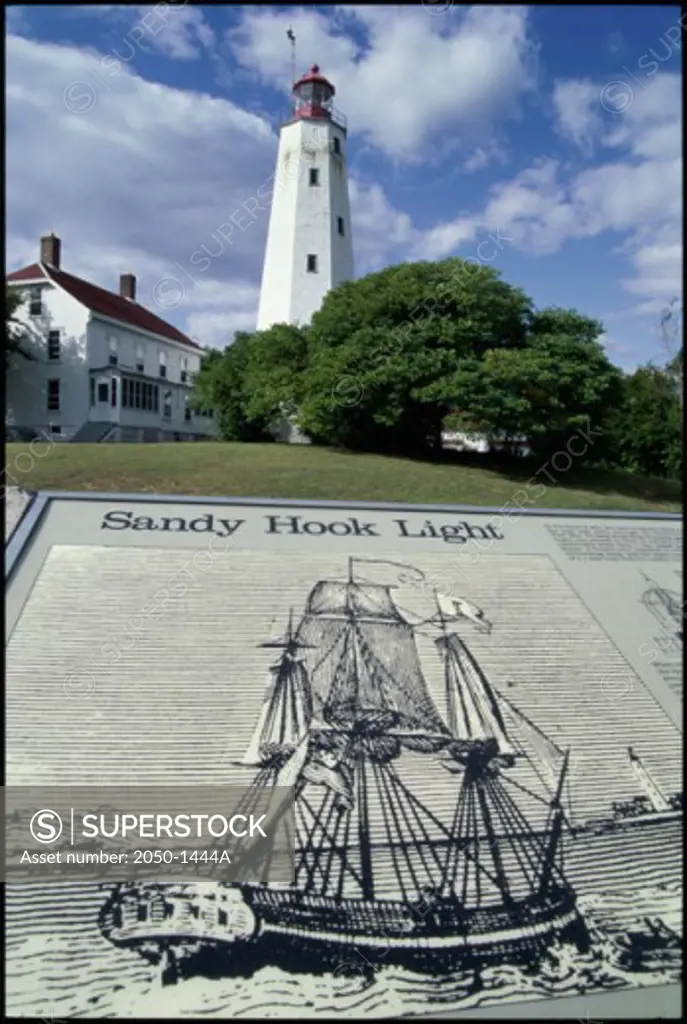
{"x": 473, "y": 712}
{"x": 284, "y": 715}
{"x": 286, "y": 712}
{"x": 371, "y": 668}
{"x": 545, "y": 755}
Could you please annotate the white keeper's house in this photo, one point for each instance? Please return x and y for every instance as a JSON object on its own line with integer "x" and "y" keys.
{"x": 104, "y": 368}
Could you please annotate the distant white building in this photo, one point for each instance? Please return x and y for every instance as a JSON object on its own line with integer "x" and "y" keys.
{"x": 104, "y": 367}
{"x": 309, "y": 247}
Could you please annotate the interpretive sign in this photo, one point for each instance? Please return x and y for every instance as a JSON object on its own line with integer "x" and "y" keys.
{"x": 463, "y": 773}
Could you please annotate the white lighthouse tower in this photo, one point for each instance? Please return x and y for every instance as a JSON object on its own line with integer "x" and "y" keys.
{"x": 309, "y": 248}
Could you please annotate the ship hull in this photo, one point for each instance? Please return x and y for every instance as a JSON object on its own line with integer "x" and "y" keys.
{"x": 316, "y": 935}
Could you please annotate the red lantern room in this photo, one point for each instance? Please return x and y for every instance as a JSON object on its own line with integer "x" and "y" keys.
{"x": 313, "y": 95}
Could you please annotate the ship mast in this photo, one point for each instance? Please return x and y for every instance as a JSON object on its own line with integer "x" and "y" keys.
{"x": 487, "y": 819}
{"x": 556, "y": 826}
{"x": 367, "y": 881}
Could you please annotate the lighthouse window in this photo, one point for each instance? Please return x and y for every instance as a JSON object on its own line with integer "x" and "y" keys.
{"x": 312, "y": 263}
{"x": 314, "y": 176}
{"x": 340, "y": 225}
{"x": 337, "y": 144}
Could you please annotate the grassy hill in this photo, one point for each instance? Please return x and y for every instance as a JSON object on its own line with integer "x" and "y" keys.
{"x": 285, "y": 471}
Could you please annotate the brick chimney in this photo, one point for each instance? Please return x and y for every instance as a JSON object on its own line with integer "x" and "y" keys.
{"x": 50, "y": 250}
{"x": 127, "y": 287}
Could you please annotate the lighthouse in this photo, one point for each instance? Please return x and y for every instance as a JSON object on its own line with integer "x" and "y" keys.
{"x": 309, "y": 248}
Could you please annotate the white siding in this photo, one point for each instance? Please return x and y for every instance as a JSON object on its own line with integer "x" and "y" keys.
{"x": 304, "y": 220}
{"x": 86, "y": 343}
{"x": 129, "y": 341}
{"x": 27, "y": 380}
{"x": 155, "y": 351}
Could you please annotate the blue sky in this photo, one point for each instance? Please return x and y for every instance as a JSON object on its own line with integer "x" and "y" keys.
{"x": 134, "y": 133}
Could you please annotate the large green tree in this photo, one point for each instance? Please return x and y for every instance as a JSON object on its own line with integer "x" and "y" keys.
{"x": 558, "y": 382}
{"x": 381, "y": 348}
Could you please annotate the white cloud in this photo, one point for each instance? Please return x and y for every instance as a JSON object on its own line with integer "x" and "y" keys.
{"x": 637, "y": 194}
{"x": 378, "y": 228}
{"x": 578, "y": 111}
{"x": 183, "y": 34}
{"x": 219, "y": 308}
{"x": 415, "y": 78}
{"x": 176, "y": 30}
{"x": 483, "y": 156}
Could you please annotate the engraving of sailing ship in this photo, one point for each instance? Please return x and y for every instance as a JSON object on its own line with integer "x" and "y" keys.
{"x": 347, "y": 705}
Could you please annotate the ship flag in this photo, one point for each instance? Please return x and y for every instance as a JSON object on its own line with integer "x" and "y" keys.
{"x": 459, "y": 608}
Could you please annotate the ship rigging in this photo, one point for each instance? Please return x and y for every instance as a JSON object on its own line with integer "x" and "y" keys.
{"x": 347, "y": 720}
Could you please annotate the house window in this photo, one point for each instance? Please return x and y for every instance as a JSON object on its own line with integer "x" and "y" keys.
{"x": 312, "y": 263}
{"x": 92, "y": 388}
{"x": 113, "y": 358}
{"x": 55, "y": 429}
{"x": 340, "y": 225}
{"x": 167, "y": 410}
{"x": 187, "y": 414}
{"x": 139, "y": 359}
{"x": 156, "y": 399}
{"x": 36, "y": 303}
{"x": 337, "y": 144}
{"x": 139, "y": 394}
{"x": 183, "y": 376}
{"x": 113, "y": 392}
{"x": 102, "y": 392}
{"x": 53, "y": 396}
{"x": 314, "y": 176}
{"x": 53, "y": 345}
{"x": 163, "y": 364}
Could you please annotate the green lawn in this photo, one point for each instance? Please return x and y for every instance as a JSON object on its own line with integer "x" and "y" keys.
{"x": 295, "y": 471}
